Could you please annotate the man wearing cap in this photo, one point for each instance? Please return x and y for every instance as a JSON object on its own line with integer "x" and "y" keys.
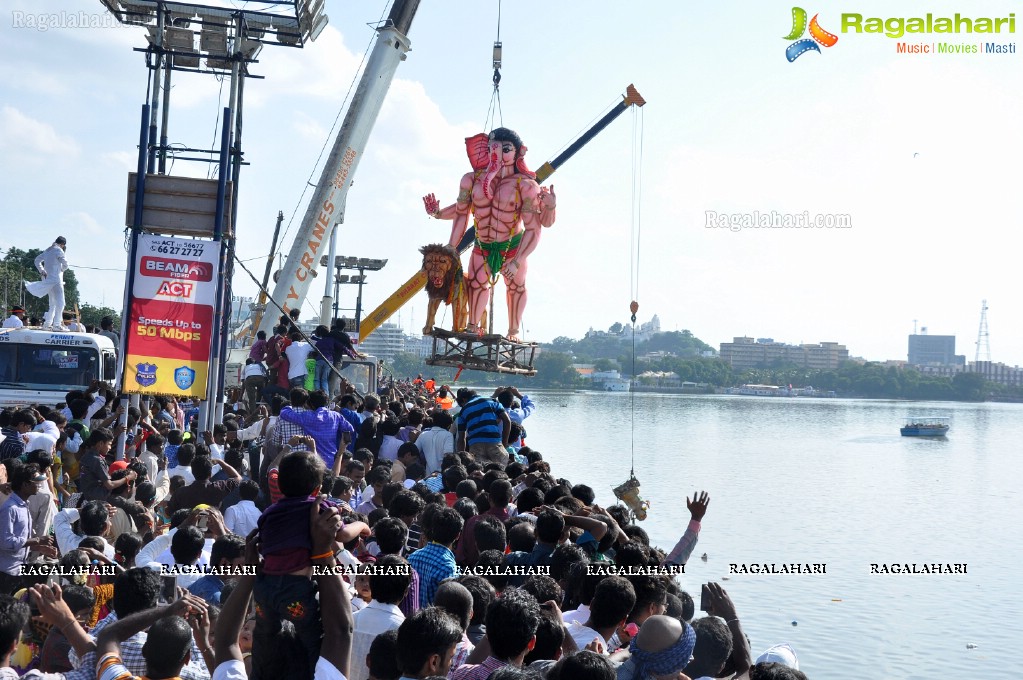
{"x": 16, "y": 319}
{"x": 16, "y": 528}
{"x": 51, "y": 265}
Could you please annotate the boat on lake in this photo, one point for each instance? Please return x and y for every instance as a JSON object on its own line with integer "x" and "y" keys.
{"x": 925, "y": 426}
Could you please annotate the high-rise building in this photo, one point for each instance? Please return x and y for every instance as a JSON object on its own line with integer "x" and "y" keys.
{"x": 933, "y": 350}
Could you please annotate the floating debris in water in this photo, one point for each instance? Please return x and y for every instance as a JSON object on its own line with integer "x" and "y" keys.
{"x": 836, "y": 599}
{"x": 970, "y": 645}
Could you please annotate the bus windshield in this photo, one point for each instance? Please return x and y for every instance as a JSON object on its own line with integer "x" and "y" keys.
{"x": 48, "y": 367}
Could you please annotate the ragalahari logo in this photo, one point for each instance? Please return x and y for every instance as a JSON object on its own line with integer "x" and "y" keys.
{"x": 817, "y": 35}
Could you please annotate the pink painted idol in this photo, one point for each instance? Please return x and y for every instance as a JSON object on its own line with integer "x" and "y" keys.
{"x": 509, "y": 208}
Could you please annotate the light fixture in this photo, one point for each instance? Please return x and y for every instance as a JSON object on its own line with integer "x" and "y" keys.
{"x": 180, "y": 19}
{"x": 311, "y": 18}
{"x": 318, "y": 26}
{"x": 113, "y": 5}
{"x": 256, "y": 28}
{"x": 286, "y": 38}
{"x": 214, "y": 40}
{"x": 136, "y": 13}
{"x": 250, "y": 49}
{"x": 182, "y": 40}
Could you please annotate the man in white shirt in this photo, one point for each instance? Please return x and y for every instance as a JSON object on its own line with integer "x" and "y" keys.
{"x": 51, "y": 265}
{"x": 436, "y": 441}
{"x": 186, "y": 452}
{"x": 612, "y": 602}
{"x": 93, "y": 520}
{"x": 17, "y": 317}
{"x": 382, "y": 613}
{"x": 297, "y": 353}
{"x": 241, "y": 517}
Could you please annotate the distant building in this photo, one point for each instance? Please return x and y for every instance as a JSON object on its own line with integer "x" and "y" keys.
{"x": 997, "y": 372}
{"x": 585, "y": 370}
{"x": 744, "y": 352}
{"x": 385, "y": 342}
{"x": 934, "y": 350}
{"x": 992, "y": 371}
{"x": 420, "y": 345}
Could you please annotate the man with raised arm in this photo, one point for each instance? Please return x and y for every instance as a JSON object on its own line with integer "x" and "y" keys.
{"x": 684, "y": 548}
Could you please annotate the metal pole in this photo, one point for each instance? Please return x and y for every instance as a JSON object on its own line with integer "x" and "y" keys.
{"x": 337, "y": 293}
{"x": 140, "y": 191}
{"x": 160, "y": 14}
{"x": 238, "y": 91}
{"x": 358, "y": 305}
{"x": 213, "y": 379}
{"x": 165, "y": 120}
{"x": 331, "y": 277}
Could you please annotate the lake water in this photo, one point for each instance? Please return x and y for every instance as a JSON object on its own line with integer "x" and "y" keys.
{"x": 824, "y": 481}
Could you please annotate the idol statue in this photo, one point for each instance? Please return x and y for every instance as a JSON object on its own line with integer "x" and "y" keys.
{"x": 51, "y": 265}
{"x": 508, "y": 208}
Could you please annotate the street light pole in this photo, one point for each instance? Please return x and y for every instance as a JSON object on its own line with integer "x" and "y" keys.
{"x": 358, "y": 303}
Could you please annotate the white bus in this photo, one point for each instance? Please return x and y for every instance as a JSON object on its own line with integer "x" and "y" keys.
{"x": 41, "y": 367}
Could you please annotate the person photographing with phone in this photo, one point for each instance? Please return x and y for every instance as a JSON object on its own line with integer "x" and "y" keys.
{"x": 722, "y": 649}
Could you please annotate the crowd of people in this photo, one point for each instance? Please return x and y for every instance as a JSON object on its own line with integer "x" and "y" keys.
{"x": 412, "y": 534}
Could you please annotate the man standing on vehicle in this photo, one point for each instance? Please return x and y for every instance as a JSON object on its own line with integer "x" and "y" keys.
{"x": 17, "y": 317}
{"x": 51, "y": 265}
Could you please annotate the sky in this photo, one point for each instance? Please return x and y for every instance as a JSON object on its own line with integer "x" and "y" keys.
{"x": 921, "y": 152}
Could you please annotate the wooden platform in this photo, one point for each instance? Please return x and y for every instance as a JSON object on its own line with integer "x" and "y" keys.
{"x": 491, "y": 353}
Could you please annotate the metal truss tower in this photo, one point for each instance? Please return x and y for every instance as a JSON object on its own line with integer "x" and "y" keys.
{"x": 983, "y": 343}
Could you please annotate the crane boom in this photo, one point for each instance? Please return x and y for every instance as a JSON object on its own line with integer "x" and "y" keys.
{"x": 415, "y": 284}
{"x": 323, "y": 212}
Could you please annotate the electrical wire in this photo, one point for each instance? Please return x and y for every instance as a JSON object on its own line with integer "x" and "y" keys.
{"x": 216, "y": 126}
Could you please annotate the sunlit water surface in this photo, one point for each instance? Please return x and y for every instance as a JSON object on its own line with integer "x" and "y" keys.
{"x": 825, "y": 481}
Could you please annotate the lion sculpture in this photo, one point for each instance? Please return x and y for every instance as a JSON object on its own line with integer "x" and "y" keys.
{"x": 444, "y": 283}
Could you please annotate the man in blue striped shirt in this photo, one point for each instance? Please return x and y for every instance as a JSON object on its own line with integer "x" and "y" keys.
{"x": 483, "y": 427}
{"x": 436, "y": 562}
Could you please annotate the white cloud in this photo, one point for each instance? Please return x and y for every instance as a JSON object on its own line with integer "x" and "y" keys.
{"x": 125, "y": 160}
{"x": 82, "y": 221}
{"x": 25, "y": 137}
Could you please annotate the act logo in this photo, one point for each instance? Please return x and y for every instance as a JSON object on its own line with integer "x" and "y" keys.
{"x": 175, "y": 289}
{"x": 817, "y": 35}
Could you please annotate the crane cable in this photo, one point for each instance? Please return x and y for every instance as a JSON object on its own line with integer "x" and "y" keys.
{"x": 495, "y": 98}
{"x": 636, "y": 231}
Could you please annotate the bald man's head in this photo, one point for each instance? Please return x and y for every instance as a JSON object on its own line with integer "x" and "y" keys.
{"x": 658, "y": 633}
{"x": 663, "y": 647}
